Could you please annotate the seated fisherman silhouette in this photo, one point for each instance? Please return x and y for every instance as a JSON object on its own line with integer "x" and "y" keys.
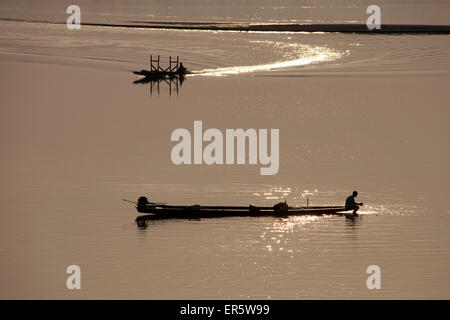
{"x": 181, "y": 69}
{"x": 351, "y": 204}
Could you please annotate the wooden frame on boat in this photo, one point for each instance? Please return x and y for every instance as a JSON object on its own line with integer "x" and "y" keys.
{"x": 174, "y": 69}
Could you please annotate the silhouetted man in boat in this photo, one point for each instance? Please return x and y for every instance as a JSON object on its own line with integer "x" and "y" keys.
{"x": 181, "y": 69}
{"x": 351, "y": 204}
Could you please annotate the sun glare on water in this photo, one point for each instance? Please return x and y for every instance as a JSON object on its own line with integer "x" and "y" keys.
{"x": 313, "y": 55}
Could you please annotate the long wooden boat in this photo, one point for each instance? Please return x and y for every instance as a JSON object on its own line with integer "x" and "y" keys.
{"x": 162, "y": 211}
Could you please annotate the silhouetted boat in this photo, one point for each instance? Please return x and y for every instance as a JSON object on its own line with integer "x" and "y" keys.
{"x": 156, "y": 211}
{"x": 174, "y": 69}
{"x": 155, "y": 74}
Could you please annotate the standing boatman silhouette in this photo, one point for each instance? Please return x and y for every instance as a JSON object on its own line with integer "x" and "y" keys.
{"x": 351, "y": 204}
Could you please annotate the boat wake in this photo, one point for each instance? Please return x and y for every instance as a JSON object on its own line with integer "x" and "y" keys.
{"x": 318, "y": 54}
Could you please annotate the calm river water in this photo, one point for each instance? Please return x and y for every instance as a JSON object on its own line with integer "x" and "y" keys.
{"x": 355, "y": 112}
